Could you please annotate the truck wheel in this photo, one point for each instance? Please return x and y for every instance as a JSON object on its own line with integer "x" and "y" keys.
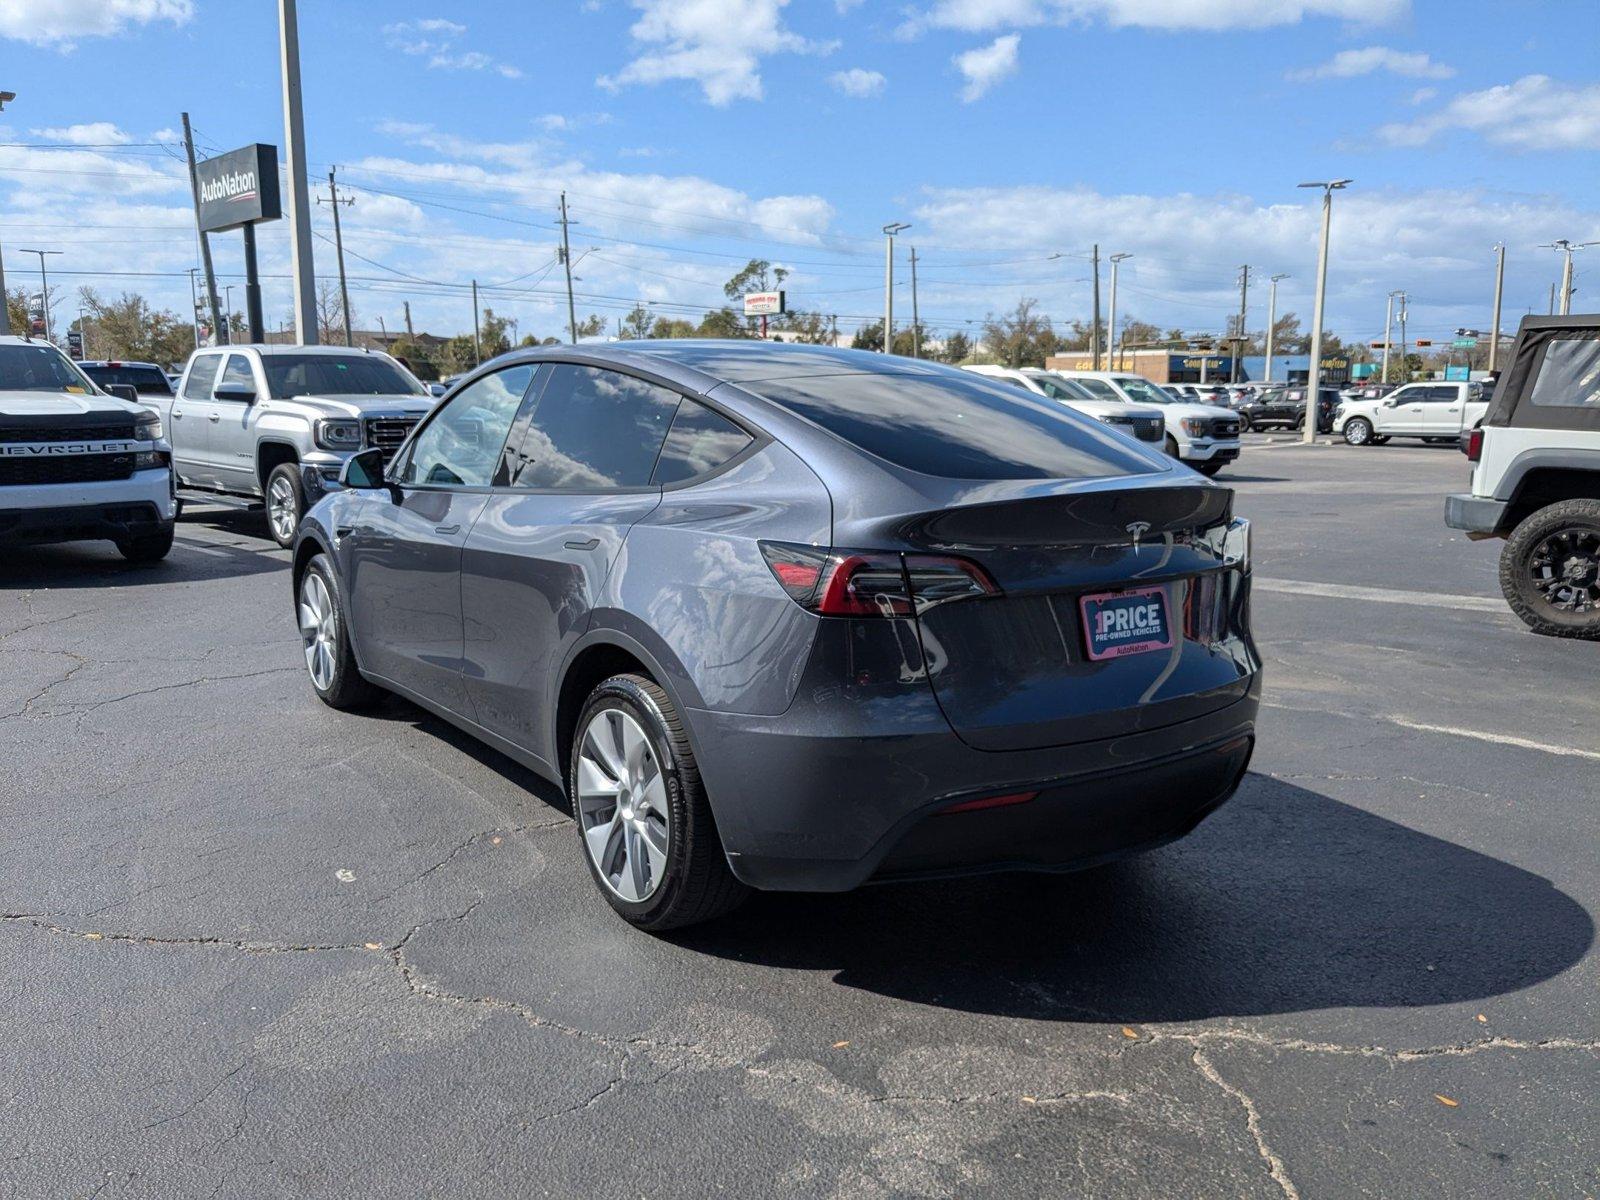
{"x": 286, "y": 501}
{"x": 1172, "y": 446}
{"x": 147, "y": 547}
{"x": 1358, "y": 431}
{"x": 643, "y": 820}
{"x": 1208, "y": 468}
{"x": 1244, "y": 422}
{"x": 321, "y": 613}
{"x": 1550, "y": 570}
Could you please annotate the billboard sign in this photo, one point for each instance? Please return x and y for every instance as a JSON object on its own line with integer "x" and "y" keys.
{"x": 239, "y": 188}
{"x": 75, "y": 345}
{"x": 36, "y": 315}
{"x": 765, "y": 304}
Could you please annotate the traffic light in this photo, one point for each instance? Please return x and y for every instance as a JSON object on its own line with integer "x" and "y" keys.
{"x": 1421, "y": 342}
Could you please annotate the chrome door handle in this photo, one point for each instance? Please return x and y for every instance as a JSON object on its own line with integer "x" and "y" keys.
{"x": 588, "y": 544}
{"x": 177, "y": 414}
{"x": 447, "y": 530}
{"x": 1455, "y": 410}
{"x": 214, "y": 418}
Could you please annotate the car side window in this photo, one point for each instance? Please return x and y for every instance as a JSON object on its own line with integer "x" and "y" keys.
{"x": 201, "y": 376}
{"x": 1100, "y": 389}
{"x": 594, "y": 429}
{"x": 1443, "y": 395}
{"x": 237, "y": 374}
{"x": 461, "y": 445}
{"x": 699, "y": 441}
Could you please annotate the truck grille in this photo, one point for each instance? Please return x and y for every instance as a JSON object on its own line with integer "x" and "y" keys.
{"x": 1225, "y": 427}
{"x": 121, "y": 431}
{"x": 387, "y": 433}
{"x": 1146, "y": 429}
{"x": 68, "y": 468}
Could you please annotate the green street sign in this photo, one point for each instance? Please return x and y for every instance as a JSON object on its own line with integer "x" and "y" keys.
{"x": 1464, "y": 343}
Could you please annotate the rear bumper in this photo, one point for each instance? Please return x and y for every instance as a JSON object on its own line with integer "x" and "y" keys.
{"x": 1474, "y": 514}
{"x": 111, "y": 509}
{"x": 816, "y": 806}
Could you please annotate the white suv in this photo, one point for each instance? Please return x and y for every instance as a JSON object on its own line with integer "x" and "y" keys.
{"x": 1145, "y": 424}
{"x": 1200, "y": 435}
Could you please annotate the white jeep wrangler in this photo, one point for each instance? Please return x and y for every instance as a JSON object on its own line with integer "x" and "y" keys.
{"x": 1536, "y": 482}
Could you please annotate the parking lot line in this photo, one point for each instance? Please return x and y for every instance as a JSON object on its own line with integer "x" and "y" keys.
{"x": 1477, "y": 735}
{"x": 1341, "y": 591}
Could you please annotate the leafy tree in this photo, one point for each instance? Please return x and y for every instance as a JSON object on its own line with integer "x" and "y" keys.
{"x": 1136, "y": 332}
{"x": 672, "y": 327}
{"x": 870, "y": 337}
{"x": 458, "y": 354}
{"x": 956, "y": 348}
{"x": 1077, "y": 336}
{"x": 594, "y": 325}
{"x": 416, "y": 358}
{"x": 493, "y": 333}
{"x": 722, "y": 323}
{"x": 636, "y": 324}
{"x": 812, "y": 328}
{"x": 758, "y": 275}
{"x": 129, "y": 328}
{"x": 330, "y": 313}
{"x": 1021, "y": 337}
{"x": 17, "y": 310}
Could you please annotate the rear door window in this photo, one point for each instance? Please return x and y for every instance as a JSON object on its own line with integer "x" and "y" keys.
{"x": 595, "y": 430}
{"x": 202, "y": 374}
{"x": 1569, "y": 377}
{"x": 957, "y": 427}
{"x": 700, "y": 441}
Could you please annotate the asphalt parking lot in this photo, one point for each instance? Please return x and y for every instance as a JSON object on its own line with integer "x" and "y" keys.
{"x": 254, "y": 947}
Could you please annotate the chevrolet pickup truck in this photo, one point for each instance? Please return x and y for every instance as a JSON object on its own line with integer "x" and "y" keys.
{"x": 278, "y": 422}
{"x": 78, "y": 463}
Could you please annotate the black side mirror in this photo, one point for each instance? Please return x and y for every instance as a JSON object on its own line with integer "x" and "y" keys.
{"x": 363, "y": 470}
{"x": 234, "y": 392}
{"x": 122, "y": 391}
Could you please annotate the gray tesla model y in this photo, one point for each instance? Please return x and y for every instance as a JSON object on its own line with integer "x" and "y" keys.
{"x": 796, "y": 618}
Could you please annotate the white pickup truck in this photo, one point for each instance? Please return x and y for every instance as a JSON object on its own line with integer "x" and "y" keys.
{"x": 76, "y": 462}
{"x": 1430, "y": 411}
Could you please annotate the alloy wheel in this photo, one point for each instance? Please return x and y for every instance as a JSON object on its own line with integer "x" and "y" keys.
{"x": 281, "y": 508}
{"x": 1565, "y": 570}
{"x": 622, "y": 805}
{"x": 319, "y": 629}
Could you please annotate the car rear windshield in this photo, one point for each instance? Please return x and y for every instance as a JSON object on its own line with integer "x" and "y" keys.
{"x": 38, "y": 368}
{"x": 956, "y": 428}
{"x": 336, "y": 375}
{"x": 147, "y": 381}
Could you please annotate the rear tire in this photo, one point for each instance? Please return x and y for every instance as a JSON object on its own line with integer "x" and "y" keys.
{"x": 286, "y": 503}
{"x": 1550, "y": 570}
{"x": 1358, "y": 432}
{"x": 644, "y": 825}
{"x": 147, "y": 547}
{"x": 322, "y": 616}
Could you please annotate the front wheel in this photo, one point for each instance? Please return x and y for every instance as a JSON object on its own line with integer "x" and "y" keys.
{"x": 1208, "y": 468}
{"x": 647, "y": 830}
{"x": 147, "y": 547}
{"x": 1172, "y": 446}
{"x": 325, "y": 640}
{"x": 286, "y": 501}
{"x": 1358, "y": 431}
{"x": 1550, "y": 570}
{"x": 1244, "y": 422}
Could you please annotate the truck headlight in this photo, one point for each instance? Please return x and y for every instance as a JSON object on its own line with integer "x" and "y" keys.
{"x": 1193, "y": 426}
{"x": 147, "y": 427}
{"x": 334, "y": 434}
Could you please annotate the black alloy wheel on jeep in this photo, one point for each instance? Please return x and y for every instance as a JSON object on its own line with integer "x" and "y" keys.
{"x": 1550, "y": 570}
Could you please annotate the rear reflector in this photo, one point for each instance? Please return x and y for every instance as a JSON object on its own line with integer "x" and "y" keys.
{"x": 989, "y": 802}
{"x": 1472, "y": 444}
{"x": 868, "y": 584}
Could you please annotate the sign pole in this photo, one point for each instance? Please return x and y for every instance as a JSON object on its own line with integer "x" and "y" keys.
{"x": 252, "y": 287}
{"x": 217, "y": 333}
{"x": 294, "y": 146}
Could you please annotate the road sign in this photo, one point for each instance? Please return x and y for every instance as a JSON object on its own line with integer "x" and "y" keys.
{"x": 75, "y": 344}
{"x": 764, "y": 304}
{"x": 1464, "y": 343}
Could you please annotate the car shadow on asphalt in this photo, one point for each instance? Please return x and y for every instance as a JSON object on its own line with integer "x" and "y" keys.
{"x": 1285, "y": 900}
{"x": 100, "y": 565}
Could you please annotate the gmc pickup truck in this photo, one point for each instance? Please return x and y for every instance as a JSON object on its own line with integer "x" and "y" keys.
{"x": 76, "y": 462}
{"x": 278, "y": 422}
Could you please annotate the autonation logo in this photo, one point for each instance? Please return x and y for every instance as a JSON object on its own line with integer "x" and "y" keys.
{"x": 232, "y": 185}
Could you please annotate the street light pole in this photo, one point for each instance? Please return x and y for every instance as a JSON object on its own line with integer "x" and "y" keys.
{"x": 1499, "y": 293}
{"x": 1314, "y": 375}
{"x": 888, "y": 283}
{"x": 44, "y": 288}
{"x": 5, "y": 307}
{"x": 1388, "y": 329}
{"x": 1113, "y": 348}
{"x": 294, "y": 145}
{"x": 1272, "y": 319}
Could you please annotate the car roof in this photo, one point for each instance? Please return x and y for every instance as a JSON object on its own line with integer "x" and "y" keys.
{"x": 735, "y": 360}
{"x": 117, "y": 362}
{"x": 275, "y": 348}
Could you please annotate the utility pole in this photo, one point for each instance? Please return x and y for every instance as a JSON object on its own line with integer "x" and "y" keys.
{"x": 1567, "y": 249}
{"x": 5, "y": 305}
{"x": 334, "y": 202}
{"x": 294, "y": 145}
{"x": 1388, "y": 329}
{"x": 205, "y": 242}
{"x": 194, "y": 307}
{"x": 1552, "y": 299}
{"x": 1239, "y": 340}
{"x": 1405, "y": 370}
{"x": 1499, "y": 293}
{"x": 410, "y": 335}
{"x": 1314, "y": 374}
{"x": 44, "y": 289}
{"x": 916, "y": 320}
{"x": 888, "y": 283}
{"x": 566, "y": 259}
{"x": 1113, "y": 351}
{"x": 1094, "y": 329}
{"x": 1272, "y": 319}
{"x": 477, "y": 343}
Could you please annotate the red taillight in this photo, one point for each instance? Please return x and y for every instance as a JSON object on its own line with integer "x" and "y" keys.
{"x": 989, "y": 802}
{"x": 1473, "y": 448}
{"x": 865, "y": 584}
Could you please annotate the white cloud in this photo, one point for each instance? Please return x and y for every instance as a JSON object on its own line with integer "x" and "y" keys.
{"x": 858, "y": 82}
{"x": 1348, "y": 64}
{"x": 60, "y": 23}
{"x": 979, "y": 16}
{"x": 1534, "y": 113}
{"x": 437, "y": 38}
{"x": 986, "y": 66}
{"x": 1423, "y": 95}
{"x": 718, "y": 44}
{"x": 100, "y": 133}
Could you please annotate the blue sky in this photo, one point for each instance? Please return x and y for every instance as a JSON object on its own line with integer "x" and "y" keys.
{"x": 692, "y": 134}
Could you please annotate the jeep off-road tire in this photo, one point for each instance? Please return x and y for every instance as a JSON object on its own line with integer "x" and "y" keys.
{"x": 1550, "y": 570}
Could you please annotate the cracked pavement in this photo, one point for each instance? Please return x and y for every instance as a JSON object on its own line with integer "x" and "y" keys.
{"x": 253, "y": 947}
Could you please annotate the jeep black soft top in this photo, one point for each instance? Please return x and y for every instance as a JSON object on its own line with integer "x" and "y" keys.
{"x": 1553, "y": 379}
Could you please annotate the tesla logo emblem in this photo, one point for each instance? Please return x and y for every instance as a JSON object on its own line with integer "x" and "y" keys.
{"x": 1138, "y": 529}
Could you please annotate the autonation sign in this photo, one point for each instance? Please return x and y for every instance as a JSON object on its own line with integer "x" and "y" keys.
{"x": 239, "y": 188}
